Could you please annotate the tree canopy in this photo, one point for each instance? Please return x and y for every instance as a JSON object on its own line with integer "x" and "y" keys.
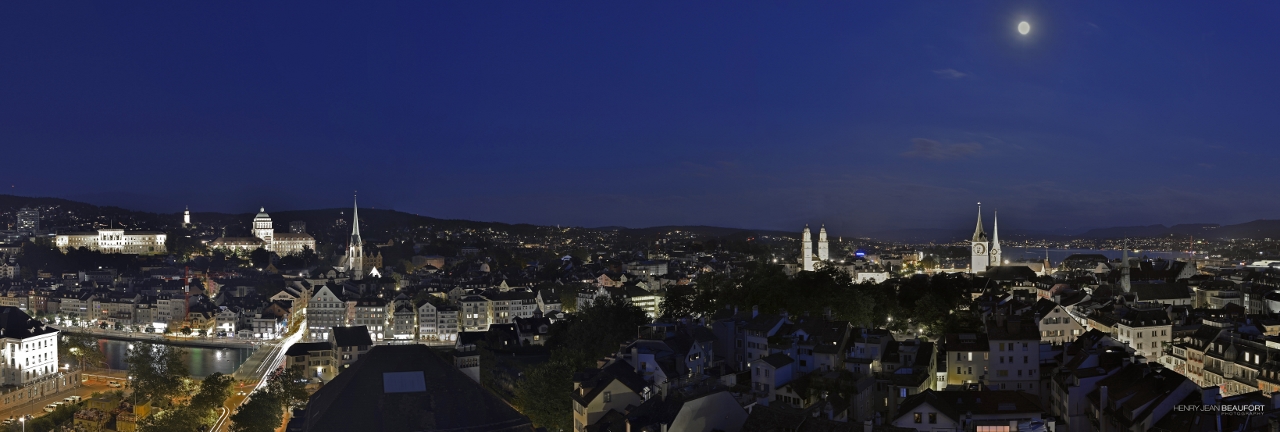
{"x": 158, "y": 371}
{"x": 576, "y": 343}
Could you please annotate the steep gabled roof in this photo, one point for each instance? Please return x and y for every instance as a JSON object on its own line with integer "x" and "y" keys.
{"x": 408, "y": 388}
{"x": 351, "y": 336}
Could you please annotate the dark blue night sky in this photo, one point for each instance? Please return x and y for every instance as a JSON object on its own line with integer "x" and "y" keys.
{"x": 863, "y": 115}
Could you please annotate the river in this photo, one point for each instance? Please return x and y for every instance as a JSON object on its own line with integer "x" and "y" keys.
{"x": 202, "y": 362}
{"x": 1057, "y": 255}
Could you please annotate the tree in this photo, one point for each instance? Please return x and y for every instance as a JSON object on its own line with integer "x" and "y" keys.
{"x": 678, "y": 302}
{"x": 200, "y": 410}
{"x": 264, "y": 411}
{"x": 261, "y": 413}
{"x": 544, "y": 393}
{"x": 576, "y": 343}
{"x": 83, "y": 349}
{"x": 158, "y": 371}
{"x": 260, "y": 257}
{"x": 214, "y": 389}
{"x": 182, "y": 418}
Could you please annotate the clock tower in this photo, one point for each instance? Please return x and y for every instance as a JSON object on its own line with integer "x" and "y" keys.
{"x": 978, "y": 247}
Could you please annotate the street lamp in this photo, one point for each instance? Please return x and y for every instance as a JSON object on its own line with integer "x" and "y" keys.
{"x": 23, "y": 420}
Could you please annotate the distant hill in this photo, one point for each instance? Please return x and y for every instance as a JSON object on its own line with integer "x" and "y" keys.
{"x": 1257, "y": 229}
{"x": 699, "y": 230}
{"x": 64, "y": 215}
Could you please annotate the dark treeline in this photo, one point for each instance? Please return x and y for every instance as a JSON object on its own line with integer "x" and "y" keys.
{"x": 936, "y": 304}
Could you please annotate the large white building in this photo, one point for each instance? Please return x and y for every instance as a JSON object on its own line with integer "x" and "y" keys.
{"x": 264, "y": 236}
{"x": 325, "y": 310}
{"x": 114, "y": 241}
{"x": 28, "y": 348}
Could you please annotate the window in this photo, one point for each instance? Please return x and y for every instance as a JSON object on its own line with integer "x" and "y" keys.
{"x": 918, "y": 418}
{"x": 608, "y": 397}
{"x": 902, "y": 393}
{"x": 970, "y": 356}
{"x": 1026, "y": 359}
{"x": 958, "y": 370}
{"x": 1002, "y": 373}
{"x": 933, "y": 418}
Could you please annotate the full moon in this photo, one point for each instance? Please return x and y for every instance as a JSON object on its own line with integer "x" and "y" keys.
{"x": 1024, "y": 27}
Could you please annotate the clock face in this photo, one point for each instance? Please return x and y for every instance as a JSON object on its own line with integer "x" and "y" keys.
{"x": 979, "y": 249}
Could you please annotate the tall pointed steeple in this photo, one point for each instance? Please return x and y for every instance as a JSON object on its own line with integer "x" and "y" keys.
{"x": 979, "y": 235}
{"x": 995, "y": 240}
{"x": 355, "y": 248}
{"x": 980, "y": 258}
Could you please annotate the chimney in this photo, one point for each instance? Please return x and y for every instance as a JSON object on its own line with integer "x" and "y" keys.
{"x": 1211, "y": 396}
{"x": 1102, "y": 398}
{"x": 635, "y": 359}
{"x": 755, "y": 311}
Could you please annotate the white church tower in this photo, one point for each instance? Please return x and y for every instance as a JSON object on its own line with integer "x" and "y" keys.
{"x": 806, "y": 249}
{"x": 980, "y": 258}
{"x": 1125, "y": 282}
{"x": 823, "y": 255}
{"x": 186, "y": 217}
{"x": 995, "y": 241}
{"x": 355, "y": 249}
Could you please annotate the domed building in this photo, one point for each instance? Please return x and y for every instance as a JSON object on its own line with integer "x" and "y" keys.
{"x": 264, "y": 236}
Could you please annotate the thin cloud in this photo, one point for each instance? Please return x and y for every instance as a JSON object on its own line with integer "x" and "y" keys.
{"x": 929, "y": 149}
{"x": 951, "y": 74}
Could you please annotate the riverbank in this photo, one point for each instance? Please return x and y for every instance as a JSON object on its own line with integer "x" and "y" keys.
{"x": 168, "y": 340}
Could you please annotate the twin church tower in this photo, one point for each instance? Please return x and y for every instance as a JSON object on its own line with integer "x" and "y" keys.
{"x": 807, "y": 260}
{"x": 986, "y": 253}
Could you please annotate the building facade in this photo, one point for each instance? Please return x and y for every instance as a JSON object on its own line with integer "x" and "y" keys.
{"x": 115, "y": 241}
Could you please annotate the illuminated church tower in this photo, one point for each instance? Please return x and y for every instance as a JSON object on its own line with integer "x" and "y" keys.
{"x": 823, "y": 255}
{"x": 980, "y": 258}
{"x": 355, "y": 250}
{"x": 995, "y": 240}
{"x": 806, "y": 250}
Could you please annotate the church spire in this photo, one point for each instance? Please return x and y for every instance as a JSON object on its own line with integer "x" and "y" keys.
{"x": 978, "y": 234}
{"x": 355, "y": 248}
{"x": 995, "y": 240}
{"x": 355, "y": 217}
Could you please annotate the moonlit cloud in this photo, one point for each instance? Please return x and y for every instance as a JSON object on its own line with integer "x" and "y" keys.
{"x": 951, "y": 74}
{"x": 929, "y": 149}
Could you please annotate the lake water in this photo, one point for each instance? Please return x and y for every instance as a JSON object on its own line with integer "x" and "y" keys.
{"x": 202, "y": 362}
{"x": 1057, "y": 255}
